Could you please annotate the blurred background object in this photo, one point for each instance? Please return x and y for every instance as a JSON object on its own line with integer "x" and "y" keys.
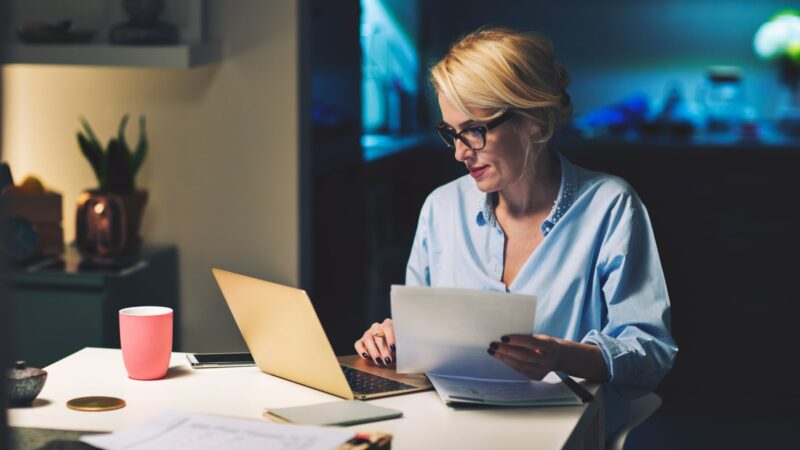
{"x": 778, "y": 40}
{"x": 5, "y": 180}
{"x": 53, "y": 33}
{"x": 109, "y": 217}
{"x": 721, "y": 98}
{"x": 143, "y": 26}
{"x": 31, "y": 227}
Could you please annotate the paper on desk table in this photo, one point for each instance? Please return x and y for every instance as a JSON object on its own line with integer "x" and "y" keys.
{"x": 183, "y": 430}
{"x": 549, "y": 391}
{"x": 447, "y": 331}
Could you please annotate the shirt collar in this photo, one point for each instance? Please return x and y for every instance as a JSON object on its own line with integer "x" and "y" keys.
{"x": 567, "y": 192}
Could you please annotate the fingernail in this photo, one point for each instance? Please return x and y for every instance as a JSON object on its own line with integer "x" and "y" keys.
{"x": 504, "y": 339}
{"x": 378, "y": 361}
{"x": 493, "y": 345}
{"x": 364, "y": 355}
{"x": 393, "y": 348}
{"x": 490, "y": 351}
{"x": 388, "y": 360}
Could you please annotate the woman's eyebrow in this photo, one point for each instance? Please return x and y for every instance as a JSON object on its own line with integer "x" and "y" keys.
{"x": 462, "y": 124}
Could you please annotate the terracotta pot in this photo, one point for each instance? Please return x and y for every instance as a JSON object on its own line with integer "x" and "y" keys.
{"x": 107, "y": 225}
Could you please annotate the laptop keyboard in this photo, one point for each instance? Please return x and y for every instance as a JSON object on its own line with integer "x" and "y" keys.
{"x": 366, "y": 383}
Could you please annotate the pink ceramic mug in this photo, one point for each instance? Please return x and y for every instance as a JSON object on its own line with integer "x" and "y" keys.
{"x": 145, "y": 333}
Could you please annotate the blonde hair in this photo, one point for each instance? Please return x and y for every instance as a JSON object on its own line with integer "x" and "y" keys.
{"x": 501, "y": 70}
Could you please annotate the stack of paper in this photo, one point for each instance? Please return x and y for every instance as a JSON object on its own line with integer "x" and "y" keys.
{"x": 183, "y": 430}
{"x": 444, "y": 332}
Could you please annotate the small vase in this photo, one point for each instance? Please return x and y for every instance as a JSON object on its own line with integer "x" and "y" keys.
{"x": 107, "y": 226}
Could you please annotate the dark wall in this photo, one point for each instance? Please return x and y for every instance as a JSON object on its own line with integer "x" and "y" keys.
{"x": 337, "y": 220}
{"x": 4, "y": 338}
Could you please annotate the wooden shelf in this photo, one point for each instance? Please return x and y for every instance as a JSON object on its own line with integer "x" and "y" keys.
{"x": 171, "y": 56}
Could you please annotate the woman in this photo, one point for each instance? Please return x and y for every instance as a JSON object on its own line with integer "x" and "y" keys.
{"x": 526, "y": 220}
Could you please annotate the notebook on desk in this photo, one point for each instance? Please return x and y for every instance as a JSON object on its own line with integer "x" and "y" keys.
{"x": 286, "y": 339}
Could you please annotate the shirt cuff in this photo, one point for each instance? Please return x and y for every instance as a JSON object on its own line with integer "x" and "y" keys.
{"x": 608, "y": 347}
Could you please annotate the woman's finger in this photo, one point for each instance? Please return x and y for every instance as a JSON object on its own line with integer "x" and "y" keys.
{"x": 388, "y": 330}
{"x": 370, "y": 340}
{"x": 539, "y": 343}
{"x": 361, "y": 350}
{"x": 520, "y": 353}
{"x": 372, "y": 349}
{"x": 383, "y": 347}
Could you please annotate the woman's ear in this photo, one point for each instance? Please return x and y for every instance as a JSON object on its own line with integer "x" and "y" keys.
{"x": 533, "y": 129}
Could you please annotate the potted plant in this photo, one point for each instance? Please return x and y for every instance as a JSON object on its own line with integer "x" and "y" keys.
{"x": 109, "y": 217}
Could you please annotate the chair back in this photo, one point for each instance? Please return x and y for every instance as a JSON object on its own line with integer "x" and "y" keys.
{"x": 641, "y": 409}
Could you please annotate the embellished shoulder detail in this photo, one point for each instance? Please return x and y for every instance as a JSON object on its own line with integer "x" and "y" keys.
{"x": 485, "y": 206}
{"x": 567, "y": 193}
{"x": 564, "y": 201}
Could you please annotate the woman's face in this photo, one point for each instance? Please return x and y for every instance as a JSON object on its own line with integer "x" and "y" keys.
{"x": 500, "y": 163}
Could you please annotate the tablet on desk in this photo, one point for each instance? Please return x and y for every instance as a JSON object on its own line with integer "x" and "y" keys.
{"x": 210, "y": 360}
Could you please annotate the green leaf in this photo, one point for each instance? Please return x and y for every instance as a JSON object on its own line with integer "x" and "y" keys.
{"x": 90, "y": 133}
{"x": 141, "y": 148}
{"x": 121, "y": 132}
{"x": 94, "y": 155}
{"x": 119, "y": 178}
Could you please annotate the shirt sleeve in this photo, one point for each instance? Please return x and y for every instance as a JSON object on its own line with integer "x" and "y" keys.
{"x": 635, "y": 341}
{"x": 418, "y": 271}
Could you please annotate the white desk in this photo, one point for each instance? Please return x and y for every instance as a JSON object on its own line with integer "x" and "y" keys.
{"x": 244, "y": 392}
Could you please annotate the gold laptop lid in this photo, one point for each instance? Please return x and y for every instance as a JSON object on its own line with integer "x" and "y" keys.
{"x": 283, "y": 332}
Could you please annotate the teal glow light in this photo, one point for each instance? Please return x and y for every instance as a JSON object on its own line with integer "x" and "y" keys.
{"x": 390, "y": 63}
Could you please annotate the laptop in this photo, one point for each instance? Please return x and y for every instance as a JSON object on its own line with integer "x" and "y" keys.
{"x": 286, "y": 339}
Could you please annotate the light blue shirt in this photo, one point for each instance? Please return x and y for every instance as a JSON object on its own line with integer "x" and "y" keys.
{"x": 596, "y": 274}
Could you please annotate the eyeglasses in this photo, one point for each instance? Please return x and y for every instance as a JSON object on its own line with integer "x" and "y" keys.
{"x": 473, "y": 137}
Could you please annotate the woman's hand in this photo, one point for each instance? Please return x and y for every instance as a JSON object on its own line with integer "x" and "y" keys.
{"x": 531, "y": 355}
{"x": 378, "y": 344}
{"x": 536, "y": 355}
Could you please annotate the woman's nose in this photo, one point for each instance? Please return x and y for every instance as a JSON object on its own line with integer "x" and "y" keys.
{"x": 462, "y": 151}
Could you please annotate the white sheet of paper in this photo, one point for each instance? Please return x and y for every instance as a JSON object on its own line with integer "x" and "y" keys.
{"x": 447, "y": 331}
{"x": 183, "y": 430}
{"x": 549, "y": 391}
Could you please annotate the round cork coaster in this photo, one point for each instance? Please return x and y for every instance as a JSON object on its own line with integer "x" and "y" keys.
{"x": 96, "y": 403}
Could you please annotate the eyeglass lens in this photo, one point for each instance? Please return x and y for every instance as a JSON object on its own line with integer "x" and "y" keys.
{"x": 474, "y": 137}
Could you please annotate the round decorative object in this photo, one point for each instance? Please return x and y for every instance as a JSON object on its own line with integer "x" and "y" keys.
{"x": 107, "y": 226}
{"x": 18, "y": 238}
{"x": 24, "y": 383}
{"x": 96, "y": 403}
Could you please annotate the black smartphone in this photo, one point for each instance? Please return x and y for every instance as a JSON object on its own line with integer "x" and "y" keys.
{"x": 209, "y": 360}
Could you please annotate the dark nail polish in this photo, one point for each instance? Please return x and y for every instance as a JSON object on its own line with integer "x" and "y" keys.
{"x": 365, "y": 355}
{"x": 490, "y": 351}
{"x": 493, "y": 345}
{"x": 504, "y": 339}
{"x": 388, "y": 360}
{"x": 378, "y": 361}
{"x": 393, "y": 348}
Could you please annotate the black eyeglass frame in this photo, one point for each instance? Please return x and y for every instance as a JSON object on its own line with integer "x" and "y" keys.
{"x": 444, "y": 130}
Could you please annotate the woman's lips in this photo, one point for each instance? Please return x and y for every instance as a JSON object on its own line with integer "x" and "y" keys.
{"x": 476, "y": 172}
